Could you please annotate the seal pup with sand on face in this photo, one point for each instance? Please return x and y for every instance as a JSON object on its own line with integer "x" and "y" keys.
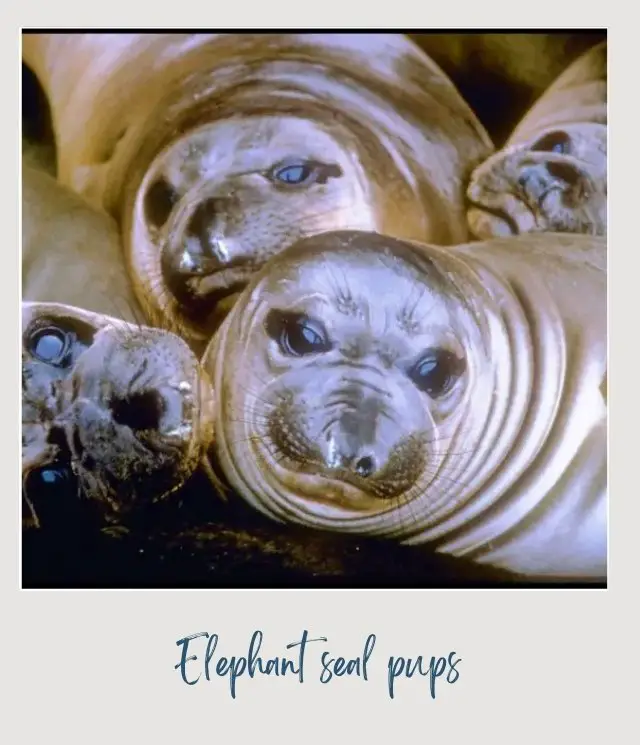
{"x": 552, "y": 173}
{"x": 111, "y": 412}
{"x": 450, "y": 396}
{"x": 216, "y": 151}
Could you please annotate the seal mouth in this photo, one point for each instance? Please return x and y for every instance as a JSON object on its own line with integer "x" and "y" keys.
{"x": 208, "y": 293}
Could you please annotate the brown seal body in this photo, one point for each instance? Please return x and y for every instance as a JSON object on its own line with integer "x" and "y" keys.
{"x": 445, "y": 396}
{"x": 552, "y": 173}
{"x": 215, "y": 151}
{"x": 111, "y": 412}
{"x": 71, "y": 251}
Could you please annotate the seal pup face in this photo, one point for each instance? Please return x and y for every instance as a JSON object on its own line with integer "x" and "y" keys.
{"x": 111, "y": 412}
{"x": 224, "y": 198}
{"x": 551, "y": 176}
{"x": 554, "y": 182}
{"x": 348, "y": 368}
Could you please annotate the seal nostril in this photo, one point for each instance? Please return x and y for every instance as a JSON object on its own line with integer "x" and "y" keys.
{"x": 365, "y": 466}
{"x": 139, "y": 411}
{"x": 201, "y": 220}
{"x": 563, "y": 171}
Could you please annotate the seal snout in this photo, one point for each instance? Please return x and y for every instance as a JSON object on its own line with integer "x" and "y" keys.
{"x": 200, "y": 264}
{"x": 355, "y": 441}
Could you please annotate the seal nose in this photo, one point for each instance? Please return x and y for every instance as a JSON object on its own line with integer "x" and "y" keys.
{"x": 360, "y": 439}
{"x": 139, "y": 411}
{"x": 202, "y": 220}
{"x": 535, "y": 180}
{"x": 197, "y": 249}
{"x": 365, "y": 466}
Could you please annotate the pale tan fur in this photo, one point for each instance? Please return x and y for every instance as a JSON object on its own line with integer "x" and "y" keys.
{"x": 71, "y": 251}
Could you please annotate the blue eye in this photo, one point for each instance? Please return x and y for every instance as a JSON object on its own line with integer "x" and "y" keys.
{"x": 296, "y": 334}
{"x": 51, "y": 477}
{"x": 298, "y": 172}
{"x": 436, "y": 372}
{"x": 553, "y": 142}
{"x": 294, "y": 174}
{"x": 52, "y": 491}
{"x": 51, "y": 345}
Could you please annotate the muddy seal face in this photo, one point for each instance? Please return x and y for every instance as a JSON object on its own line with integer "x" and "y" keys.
{"x": 111, "y": 413}
{"x": 551, "y": 176}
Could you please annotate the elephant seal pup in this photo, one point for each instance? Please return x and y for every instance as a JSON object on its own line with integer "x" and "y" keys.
{"x": 552, "y": 173}
{"x": 216, "y": 151}
{"x": 111, "y": 412}
{"x": 71, "y": 252}
{"x": 426, "y": 394}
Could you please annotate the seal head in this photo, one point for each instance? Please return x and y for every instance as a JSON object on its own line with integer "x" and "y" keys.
{"x": 112, "y": 413}
{"x": 551, "y": 176}
{"x": 363, "y": 369}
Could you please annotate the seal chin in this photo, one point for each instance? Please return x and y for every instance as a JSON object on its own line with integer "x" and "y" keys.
{"x": 326, "y": 492}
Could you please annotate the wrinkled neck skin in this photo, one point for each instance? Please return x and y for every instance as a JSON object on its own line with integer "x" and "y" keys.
{"x": 522, "y": 484}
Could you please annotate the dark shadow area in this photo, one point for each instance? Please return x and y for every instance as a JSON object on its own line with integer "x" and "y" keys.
{"x": 38, "y": 136}
{"x": 501, "y": 75}
{"x": 197, "y": 541}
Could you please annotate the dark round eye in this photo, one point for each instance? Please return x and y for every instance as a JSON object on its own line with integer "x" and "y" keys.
{"x": 553, "y": 142}
{"x": 299, "y": 172}
{"x": 296, "y": 334}
{"x": 51, "y": 345}
{"x": 436, "y": 372}
{"x": 159, "y": 200}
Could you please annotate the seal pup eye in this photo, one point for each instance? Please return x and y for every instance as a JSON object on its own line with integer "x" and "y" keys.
{"x": 159, "y": 200}
{"x": 51, "y": 490}
{"x": 297, "y": 335}
{"x": 436, "y": 372}
{"x": 303, "y": 173}
{"x": 553, "y": 142}
{"x": 52, "y": 346}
